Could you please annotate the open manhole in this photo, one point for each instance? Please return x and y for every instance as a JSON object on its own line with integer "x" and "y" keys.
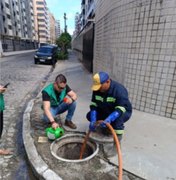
{"x": 68, "y": 147}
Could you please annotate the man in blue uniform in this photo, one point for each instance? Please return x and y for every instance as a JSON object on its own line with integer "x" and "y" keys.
{"x": 110, "y": 103}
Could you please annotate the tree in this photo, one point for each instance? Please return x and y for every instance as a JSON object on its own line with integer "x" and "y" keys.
{"x": 64, "y": 42}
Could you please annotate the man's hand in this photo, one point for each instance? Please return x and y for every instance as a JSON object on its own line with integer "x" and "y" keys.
{"x": 67, "y": 100}
{"x": 111, "y": 118}
{"x": 2, "y": 89}
{"x": 54, "y": 125}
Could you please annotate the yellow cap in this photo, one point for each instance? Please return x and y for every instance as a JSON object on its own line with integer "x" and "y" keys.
{"x": 98, "y": 80}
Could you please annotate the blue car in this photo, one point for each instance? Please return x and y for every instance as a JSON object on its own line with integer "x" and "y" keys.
{"x": 46, "y": 54}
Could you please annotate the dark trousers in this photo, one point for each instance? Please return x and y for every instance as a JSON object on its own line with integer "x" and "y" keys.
{"x": 1, "y": 123}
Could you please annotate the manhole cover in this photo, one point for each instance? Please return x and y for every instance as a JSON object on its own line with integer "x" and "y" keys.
{"x": 68, "y": 147}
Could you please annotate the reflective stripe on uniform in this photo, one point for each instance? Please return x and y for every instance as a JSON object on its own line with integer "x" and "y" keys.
{"x": 93, "y": 104}
{"x": 99, "y": 98}
{"x": 119, "y": 131}
{"x": 110, "y": 99}
{"x": 121, "y": 108}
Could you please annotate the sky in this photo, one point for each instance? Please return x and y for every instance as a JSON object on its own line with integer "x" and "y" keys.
{"x": 70, "y": 7}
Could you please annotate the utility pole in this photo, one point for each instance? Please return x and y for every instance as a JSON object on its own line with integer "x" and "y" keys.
{"x": 65, "y": 18}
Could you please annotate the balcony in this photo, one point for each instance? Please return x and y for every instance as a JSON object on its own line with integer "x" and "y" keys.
{"x": 90, "y": 10}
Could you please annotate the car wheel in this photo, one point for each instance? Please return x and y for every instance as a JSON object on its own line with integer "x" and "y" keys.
{"x": 53, "y": 62}
{"x": 35, "y": 61}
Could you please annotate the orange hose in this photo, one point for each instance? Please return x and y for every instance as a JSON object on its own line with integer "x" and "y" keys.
{"x": 84, "y": 145}
{"x": 117, "y": 147}
{"x": 118, "y": 150}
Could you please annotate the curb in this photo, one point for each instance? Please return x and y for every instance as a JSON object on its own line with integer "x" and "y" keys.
{"x": 6, "y": 54}
{"x": 41, "y": 169}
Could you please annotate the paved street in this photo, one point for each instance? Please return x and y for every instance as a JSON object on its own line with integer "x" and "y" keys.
{"x": 25, "y": 79}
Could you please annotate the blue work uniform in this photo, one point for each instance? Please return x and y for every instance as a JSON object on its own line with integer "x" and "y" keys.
{"x": 116, "y": 98}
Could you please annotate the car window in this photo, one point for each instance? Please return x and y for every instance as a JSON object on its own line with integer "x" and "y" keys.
{"x": 45, "y": 50}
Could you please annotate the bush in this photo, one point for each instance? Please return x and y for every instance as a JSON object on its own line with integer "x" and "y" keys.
{"x": 62, "y": 56}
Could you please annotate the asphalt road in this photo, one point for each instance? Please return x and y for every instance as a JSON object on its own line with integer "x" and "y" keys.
{"x": 26, "y": 79}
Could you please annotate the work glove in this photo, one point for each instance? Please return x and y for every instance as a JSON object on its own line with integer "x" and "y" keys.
{"x": 111, "y": 118}
{"x": 93, "y": 118}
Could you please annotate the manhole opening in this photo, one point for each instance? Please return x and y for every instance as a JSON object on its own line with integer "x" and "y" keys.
{"x": 72, "y": 151}
{"x": 68, "y": 148}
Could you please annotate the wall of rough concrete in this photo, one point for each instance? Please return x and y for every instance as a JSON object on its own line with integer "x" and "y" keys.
{"x": 77, "y": 46}
{"x": 135, "y": 42}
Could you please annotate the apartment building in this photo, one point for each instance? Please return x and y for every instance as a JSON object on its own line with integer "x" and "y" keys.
{"x": 16, "y": 19}
{"x": 41, "y": 20}
{"x": 89, "y": 9}
{"x": 77, "y": 24}
{"x": 57, "y": 28}
{"x": 87, "y": 12}
{"x": 5, "y": 18}
{"x": 52, "y": 31}
{"x": 27, "y": 19}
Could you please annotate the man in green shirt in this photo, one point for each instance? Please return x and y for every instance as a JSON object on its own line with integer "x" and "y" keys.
{"x": 57, "y": 98}
{"x": 2, "y": 90}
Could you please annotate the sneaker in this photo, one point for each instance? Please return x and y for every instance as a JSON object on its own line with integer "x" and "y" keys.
{"x": 70, "y": 124}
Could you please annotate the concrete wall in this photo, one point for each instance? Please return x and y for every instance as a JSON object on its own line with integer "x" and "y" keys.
{"x": 77, "y": 46}
{"x": 135, "y": 42}
{"x": 83, "y": 46}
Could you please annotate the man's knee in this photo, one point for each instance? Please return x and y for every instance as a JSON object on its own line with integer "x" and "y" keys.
{"x": 88, "y": 116}
{"x": 72, "y": 105}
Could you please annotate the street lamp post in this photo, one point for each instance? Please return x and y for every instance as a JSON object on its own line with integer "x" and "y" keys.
{"x": 65, "y": 18}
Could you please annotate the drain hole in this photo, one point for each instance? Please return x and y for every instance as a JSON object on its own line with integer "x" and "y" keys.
{"x": 68, "y": 148}
{"x": 72, "y": 151}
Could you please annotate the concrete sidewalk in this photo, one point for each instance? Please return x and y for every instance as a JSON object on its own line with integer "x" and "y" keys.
{"x": 148, "y": 146}
{"x": 4, "y": 54}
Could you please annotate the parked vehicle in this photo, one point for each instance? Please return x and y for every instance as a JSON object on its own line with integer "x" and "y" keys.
{"x": 46, "y": 54}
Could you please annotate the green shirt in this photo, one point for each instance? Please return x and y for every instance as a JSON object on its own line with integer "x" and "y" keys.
{"x": 2, "y": 105}
{"x": 53, "y": 97}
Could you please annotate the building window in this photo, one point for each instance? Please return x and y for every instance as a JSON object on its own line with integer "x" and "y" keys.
{"x": 40, "y": 14}
{"x": 40, "y": 9}
{"x": 38, "y": 2}
{"x": 8, "y": 16}
{"x": 40, "y": 26}
{"x": 7, "y": 5}
{"x": 41, "y": 20}
{"x": 2, "y": 7}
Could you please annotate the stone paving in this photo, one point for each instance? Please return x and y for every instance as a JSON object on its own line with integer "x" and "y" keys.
{"x": 25, "y": 78}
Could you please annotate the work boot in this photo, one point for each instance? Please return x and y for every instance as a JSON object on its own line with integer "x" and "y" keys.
{"x": 70, "y": 124}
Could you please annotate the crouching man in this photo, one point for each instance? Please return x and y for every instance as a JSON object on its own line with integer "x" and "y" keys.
{"x": 110, "y": 103}
{"x": 57, "y": 98}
